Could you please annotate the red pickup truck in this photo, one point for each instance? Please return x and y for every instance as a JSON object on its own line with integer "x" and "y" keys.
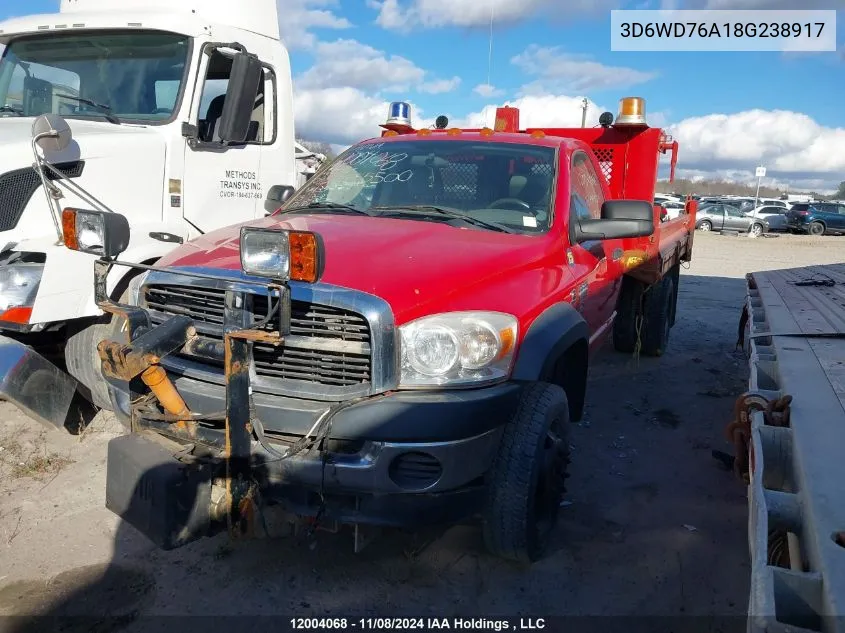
{"x": 404, "y": 341}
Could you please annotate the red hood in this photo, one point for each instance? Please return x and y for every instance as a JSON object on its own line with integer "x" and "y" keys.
{"x": 408, "y": 263}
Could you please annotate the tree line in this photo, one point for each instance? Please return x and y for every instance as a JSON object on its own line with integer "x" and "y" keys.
{"x": 720, "y": 188}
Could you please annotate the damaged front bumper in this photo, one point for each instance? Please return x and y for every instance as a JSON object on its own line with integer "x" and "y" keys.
{"x": 34, "y": 384}
{"x": 399, "y": 459}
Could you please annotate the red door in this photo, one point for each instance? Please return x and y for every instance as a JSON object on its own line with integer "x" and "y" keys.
{"x": 596, "y": 264}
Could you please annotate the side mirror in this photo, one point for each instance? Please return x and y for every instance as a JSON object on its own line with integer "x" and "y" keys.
{"x": 276, "y": 197}
{"x": 240, "y": 98}
{"x": 95, "y": 232}
{"x": 619, "y": 219}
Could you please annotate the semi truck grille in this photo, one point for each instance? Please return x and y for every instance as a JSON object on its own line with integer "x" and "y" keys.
{"x": 327, "y": 346}
{"x": 17, "y": 187}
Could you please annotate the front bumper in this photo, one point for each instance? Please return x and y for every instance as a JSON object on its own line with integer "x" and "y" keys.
{"x": 34, "y": 384}
{"x": 398, "y": 459}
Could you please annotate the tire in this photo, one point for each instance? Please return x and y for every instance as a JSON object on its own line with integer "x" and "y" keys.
{"x": 528, "y": 478}
{"x": 756, "y": 229}
{"x": 83, "y": 361}
{"x": 657, "y": 318}
{"x": 705, "y": 226}
{"x": 625, "y": 324}
{"x": 815, "y": 228}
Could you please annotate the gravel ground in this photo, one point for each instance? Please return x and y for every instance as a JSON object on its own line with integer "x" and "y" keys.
{"x": 652, "y": 524}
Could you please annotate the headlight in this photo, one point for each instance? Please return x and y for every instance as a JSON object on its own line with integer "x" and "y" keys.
{"x": 457, "y": 348}
{"x": 281, "y": 255}
{"x": 265, "y": 253}
{"x": 95, "y": 232}
{"x": 19, "y": 284}
{"x": 135, "y": 288}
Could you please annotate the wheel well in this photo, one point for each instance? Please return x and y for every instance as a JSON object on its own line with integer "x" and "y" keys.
{"x": 822, "y": 222}
{"x": 124, "y": 281}
{"x": 570, "y": 372}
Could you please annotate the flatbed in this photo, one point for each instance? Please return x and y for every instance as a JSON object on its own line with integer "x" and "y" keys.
{"x": 794, "y": 333}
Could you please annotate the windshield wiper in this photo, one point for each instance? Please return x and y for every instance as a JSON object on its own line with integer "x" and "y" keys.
{"x": 328, "y": 206}
{"x": 424, "y": 209}
{"x": 105, "y": 109}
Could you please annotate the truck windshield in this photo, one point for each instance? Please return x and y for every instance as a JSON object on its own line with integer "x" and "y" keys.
{"x": 506, "y": 184}
{"x": 123, "y": 76}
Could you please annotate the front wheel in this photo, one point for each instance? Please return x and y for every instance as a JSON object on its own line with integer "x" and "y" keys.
{"x": 705, "y": 226}
{"x": 816, "y": 228}
{"x": 528, "y": 477}
{"x": 756, "y": 230}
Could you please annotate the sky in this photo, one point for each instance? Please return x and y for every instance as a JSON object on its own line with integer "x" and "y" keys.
{"x": 729, "y": 111}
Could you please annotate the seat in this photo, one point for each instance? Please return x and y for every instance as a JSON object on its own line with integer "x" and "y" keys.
{"x": 208, "y": 126}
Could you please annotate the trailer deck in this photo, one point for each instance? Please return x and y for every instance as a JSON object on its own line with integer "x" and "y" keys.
{"x": 793, "y": 331}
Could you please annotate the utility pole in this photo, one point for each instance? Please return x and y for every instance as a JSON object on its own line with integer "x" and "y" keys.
{"x": 584, "y": 113}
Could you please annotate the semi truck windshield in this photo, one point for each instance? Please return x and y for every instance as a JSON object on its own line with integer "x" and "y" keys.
{"x": 125, "y": 76}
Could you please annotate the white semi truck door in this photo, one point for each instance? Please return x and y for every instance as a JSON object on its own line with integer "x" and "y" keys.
{"x": 222, "y": 184}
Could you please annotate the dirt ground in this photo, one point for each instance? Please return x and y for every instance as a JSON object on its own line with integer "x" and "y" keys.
{"x": 652, "y": 524}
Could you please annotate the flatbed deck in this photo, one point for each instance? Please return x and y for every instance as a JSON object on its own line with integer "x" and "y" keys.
{"x": 795, "y": 340}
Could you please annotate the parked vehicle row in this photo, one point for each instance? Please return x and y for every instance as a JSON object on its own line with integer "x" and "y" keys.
{"x": 718, "y": 217}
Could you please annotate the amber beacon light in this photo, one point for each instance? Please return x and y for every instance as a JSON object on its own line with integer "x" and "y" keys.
{"x": 631, "y": 112}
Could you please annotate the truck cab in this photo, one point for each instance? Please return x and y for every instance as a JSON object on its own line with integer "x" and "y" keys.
{"x": 405, "y": 341}
{"x": 150, "y": 91}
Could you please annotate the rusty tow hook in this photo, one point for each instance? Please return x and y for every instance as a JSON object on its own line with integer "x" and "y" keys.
{"x": 775, "y": 412}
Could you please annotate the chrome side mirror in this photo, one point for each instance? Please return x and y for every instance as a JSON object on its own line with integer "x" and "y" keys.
{"x": 51, "y": 133}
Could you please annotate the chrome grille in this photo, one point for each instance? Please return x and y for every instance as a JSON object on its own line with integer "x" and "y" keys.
{"x": 327, "y": 345}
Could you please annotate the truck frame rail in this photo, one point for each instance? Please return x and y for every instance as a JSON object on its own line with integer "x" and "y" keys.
{"x": 793, "y": 331}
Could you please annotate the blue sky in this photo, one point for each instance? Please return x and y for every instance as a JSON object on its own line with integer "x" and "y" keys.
{"x": 728, "y": 110}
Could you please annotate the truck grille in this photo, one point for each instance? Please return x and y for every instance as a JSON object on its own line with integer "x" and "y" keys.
{"x": 17, "y": 187}
{"x": 324, "y": 335}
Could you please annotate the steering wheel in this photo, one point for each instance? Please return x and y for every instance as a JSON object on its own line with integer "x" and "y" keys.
{"x": 509, "y": 203}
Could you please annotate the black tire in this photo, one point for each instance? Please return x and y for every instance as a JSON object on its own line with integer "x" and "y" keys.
{"x": 625, "y": 324}
{"x": 815, "y": 228}
{"x": 657, "y": 318}
{"x": 83, "y": 361}
{"x": 705, "y": 225}
{"x": 528, "y": 478}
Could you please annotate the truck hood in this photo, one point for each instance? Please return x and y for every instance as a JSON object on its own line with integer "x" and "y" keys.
{"x": 117, "y": 159}
{"x": 408, "y": 263}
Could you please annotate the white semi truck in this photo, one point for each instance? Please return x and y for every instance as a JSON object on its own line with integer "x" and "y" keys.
{"x": 181, "y": 117}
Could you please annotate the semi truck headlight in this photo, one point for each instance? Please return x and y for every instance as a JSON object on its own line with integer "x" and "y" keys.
{"x": 95, "y": 232}
{"x": 457, "y": 348}
{"x": 19, "y": 285}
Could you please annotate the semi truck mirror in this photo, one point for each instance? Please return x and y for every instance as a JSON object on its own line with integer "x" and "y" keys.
{"x": 240, "y": 98}
{"x": 276, "y": 197}
{"x": 51, "y": 133}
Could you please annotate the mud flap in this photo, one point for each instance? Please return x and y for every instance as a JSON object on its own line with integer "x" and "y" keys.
{"x": 166, "y": 500}
{"x": 34, "y": 384}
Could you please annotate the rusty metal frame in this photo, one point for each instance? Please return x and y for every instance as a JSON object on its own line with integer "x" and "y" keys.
{"x": 143, "y": 351}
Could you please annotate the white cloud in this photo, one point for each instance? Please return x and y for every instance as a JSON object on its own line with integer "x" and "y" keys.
{"x": 487, "y": 91}
{"x": 539, "y": 111}
{"x": 343, "y": 116}
{"x": 559, "y": 72}
{"x": 352, "y": 64}
{"x": 402, "y": 15}
{"x": 298, "y": 17}
{"x": 439, "y": 86}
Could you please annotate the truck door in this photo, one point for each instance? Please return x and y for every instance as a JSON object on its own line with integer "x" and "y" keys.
{"x": 596, "y": 267}
{"x": 221, "y": 183}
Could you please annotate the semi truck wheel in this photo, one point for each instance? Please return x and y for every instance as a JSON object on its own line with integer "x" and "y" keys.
{"x": 528, "y": 477}
{"x": 657, "y": 317}
{"x": 83, "y": 361}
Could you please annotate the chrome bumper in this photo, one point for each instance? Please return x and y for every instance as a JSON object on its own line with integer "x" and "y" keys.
{"x": 34, "y": 384}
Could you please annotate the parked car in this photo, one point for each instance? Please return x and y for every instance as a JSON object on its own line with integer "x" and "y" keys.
{"x": 716, "y": 217}
{"x": 773, "y": 214}
{"x": 816, "y": 218}
{"x": 672, "y": 209}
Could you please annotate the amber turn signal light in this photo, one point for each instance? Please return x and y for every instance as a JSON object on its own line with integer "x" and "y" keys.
{"x": 304, "y": 257}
